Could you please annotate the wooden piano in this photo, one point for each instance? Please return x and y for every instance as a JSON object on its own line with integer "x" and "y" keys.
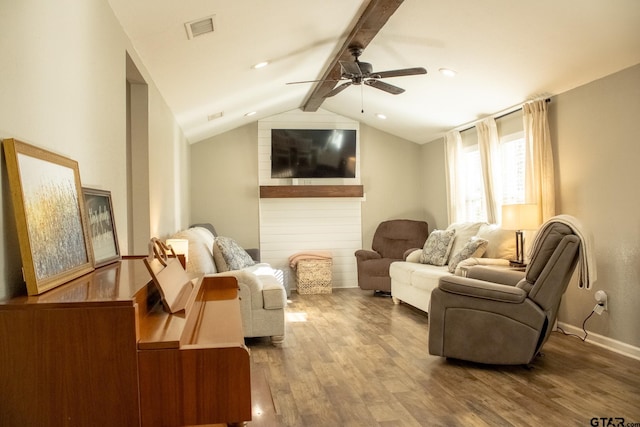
{"x": 102, "y": 350}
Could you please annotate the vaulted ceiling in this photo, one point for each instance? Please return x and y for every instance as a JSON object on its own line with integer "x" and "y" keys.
{"x": 504, "y": 52}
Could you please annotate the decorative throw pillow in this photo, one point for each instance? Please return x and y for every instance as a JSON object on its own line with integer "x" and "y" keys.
{"x": 436, "y": 248}
{"x": 234, "y": 256}
{"x": 464, "y": 231}
{"x": 474, "y": 247}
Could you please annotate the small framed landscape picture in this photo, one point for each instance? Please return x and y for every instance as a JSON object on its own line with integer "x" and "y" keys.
{"x": 102, "y": 227}
{"x": 49, "y": 211}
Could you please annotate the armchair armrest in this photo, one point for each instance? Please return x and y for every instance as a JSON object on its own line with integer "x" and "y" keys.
{"x": 364, "y": 255}
{"x": 504, "y": 276}
{"x": 254, "y": 253}
{"x": 273, "y": 293}
{"x": 407, "y": 256}
{"x": 480, "y": 289}
{"x": 466, "y": 264}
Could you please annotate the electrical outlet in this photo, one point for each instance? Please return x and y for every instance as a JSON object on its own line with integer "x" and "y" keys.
{"x": 602, "y": 302}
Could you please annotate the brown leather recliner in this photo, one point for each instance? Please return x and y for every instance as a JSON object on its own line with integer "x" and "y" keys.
{"x": 488, "y": 317}
{"x": 390, "y": 241}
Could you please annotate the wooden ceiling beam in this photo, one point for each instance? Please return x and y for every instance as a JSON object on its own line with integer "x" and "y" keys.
{"x": 369, "y": 24}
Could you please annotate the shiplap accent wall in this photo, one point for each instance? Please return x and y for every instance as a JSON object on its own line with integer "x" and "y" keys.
{"x": 289, "y": 226}
{"x": 292, "y": 225}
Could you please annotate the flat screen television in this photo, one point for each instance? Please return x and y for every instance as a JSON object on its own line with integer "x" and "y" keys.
{"x": 313, "y": 153}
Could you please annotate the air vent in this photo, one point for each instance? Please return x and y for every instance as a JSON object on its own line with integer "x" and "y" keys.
{"x": 200, "y": 27}
{"x": 214, "y": 116}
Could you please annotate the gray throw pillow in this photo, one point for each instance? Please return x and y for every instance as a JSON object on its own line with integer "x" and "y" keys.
{"x": 235, "y": 257}
{"x": 436, "y": 248}
{"x": 475, "y": 247}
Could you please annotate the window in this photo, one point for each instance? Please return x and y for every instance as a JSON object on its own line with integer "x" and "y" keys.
{"x": 474, "y": 209}
{"x": 512, "y": 149}
{"x": 512, "y": 178}
{"x": 509, "y": 161}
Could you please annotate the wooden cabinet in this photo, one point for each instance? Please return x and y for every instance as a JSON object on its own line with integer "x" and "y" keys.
{"x": 102, "y": 351}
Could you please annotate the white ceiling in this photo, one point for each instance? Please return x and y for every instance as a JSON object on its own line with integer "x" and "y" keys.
{"x": 505, "y": 52}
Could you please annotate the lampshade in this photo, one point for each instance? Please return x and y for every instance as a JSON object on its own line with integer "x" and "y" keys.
{"x": 520, "y": 217}
{"x": 180, "y": 246}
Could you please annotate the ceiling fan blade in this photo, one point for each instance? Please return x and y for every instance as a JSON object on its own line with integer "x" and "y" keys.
{"x": 397, "y": 73}
{"x": 350, "y": 67}
{"x": 336, "y": 90}
{"x": 394, "y": 90}
{"x": 310, "y": 81}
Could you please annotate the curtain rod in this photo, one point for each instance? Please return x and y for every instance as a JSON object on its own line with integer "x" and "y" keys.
{"x": 500, "y": 115}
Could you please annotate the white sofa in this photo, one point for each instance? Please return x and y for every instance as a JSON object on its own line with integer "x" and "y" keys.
{"x": 412, "y": 281}
{"x": 262, "y": 289}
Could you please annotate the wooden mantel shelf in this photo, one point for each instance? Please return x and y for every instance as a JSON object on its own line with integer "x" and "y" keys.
{"x": 290, "y": 191}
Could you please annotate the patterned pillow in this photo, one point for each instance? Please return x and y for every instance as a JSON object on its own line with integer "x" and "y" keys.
{"x": 234, "y": 256}
{"x": 475, "y": 247}
{"x": 464, "y": 231}
{"x": 436, "y": 248}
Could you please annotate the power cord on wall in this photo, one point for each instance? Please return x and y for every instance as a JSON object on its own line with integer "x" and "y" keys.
{"x": 583, "y": 328}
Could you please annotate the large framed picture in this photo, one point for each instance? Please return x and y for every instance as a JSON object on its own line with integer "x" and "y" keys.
{"x": 55, "y": 246}
{"x": 102, "y": 227}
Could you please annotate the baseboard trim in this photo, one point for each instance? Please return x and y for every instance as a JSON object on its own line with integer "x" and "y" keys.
{"x": 604, "y": 342}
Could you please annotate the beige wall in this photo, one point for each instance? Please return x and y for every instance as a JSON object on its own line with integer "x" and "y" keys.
{"x": 63, "y": 88}
{"x": 594, "y": 129}
{"x": 169, "y": 201}
{"x": 224, "y": 184}
{"x": 390, "y": 173}
{"x": 434, "y": 190}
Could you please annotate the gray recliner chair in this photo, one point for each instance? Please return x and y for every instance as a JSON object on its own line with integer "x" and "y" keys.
{"x": 498, "y": 317}
{"x": 390, "y": 242}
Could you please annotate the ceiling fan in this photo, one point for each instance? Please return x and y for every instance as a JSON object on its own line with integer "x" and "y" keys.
{"x": 358, "y": 73}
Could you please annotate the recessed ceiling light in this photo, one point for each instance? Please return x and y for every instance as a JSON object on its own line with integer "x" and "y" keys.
{"x": 250, "y": 113}
{"x": 261, "y": 64}
{"x": 381, "y": 116}
{"x": 447, "y": 72}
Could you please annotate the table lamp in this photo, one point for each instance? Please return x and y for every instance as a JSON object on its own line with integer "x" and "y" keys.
{"x": 520, "y": 217}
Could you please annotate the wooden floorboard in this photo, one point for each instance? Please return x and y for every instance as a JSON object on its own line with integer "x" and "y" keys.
{"x": 354, "y": 359}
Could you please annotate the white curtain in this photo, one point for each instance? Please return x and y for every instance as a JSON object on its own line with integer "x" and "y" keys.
{"x": 539, "y": 176}
{"x": 488, "y": 145}
{"x": 455, "y": 188}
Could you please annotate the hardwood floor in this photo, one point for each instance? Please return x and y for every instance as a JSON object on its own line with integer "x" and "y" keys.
{"x": 352, "y": 359}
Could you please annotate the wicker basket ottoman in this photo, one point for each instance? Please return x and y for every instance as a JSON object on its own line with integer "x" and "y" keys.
{"x": 313, "y": 276}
